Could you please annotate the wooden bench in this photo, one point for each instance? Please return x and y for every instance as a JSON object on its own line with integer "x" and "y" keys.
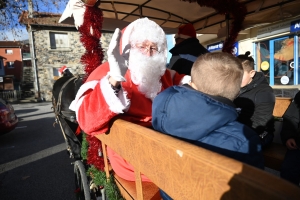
{"x": 281, "y": 104}
{"x": 186, "y": 171}
{"x": 274, "y": 154}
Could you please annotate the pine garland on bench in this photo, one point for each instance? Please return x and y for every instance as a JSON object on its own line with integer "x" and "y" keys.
{"x": 98, "y": 176}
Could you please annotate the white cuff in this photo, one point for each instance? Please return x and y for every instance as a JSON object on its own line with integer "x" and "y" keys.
{"x": 117, "y": 104}
{"x": 185, "y": 79}
{"x": 76, "y": 103}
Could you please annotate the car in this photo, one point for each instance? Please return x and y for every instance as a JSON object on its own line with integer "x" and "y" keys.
{"x": 8, "y": 118}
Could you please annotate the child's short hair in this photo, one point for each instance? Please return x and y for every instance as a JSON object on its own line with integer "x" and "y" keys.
{"x": 218, "y": 74}
{"x": 247, "y": 61}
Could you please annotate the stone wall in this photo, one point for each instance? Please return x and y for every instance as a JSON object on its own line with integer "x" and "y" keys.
{"x": 105, "y": 40}
{"x": 48, "y": 60}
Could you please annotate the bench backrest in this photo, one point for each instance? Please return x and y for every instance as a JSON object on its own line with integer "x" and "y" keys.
{"x": 281, "y": 104}
{"x": 186, "y": 171}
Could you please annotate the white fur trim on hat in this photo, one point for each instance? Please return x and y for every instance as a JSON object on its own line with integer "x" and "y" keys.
{"x": 138, "y": 31}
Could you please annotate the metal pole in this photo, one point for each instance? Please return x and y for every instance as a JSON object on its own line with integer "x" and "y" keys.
{"x": 30, "y": 31}
{"x": 36, "y": 79}
{"x": 30, "y": 8}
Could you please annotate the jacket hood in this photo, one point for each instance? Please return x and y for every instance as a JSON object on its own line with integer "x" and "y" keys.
{"x": 185, "y": 110}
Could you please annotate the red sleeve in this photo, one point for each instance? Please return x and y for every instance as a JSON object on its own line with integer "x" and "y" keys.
{"x": 171, "y": 78}
{"x": 94, "y": 113}
{"x": 99, "y": 72}
{"x": 177, "y": 78}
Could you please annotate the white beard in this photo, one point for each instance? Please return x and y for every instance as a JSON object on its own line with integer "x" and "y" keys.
{"x": 146, "y": 72}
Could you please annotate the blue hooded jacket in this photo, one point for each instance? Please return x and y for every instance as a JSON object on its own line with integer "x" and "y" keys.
{"x": 207, "y": 121}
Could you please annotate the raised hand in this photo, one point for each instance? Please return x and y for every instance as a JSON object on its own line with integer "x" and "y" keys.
{"x": 117, "y": 62}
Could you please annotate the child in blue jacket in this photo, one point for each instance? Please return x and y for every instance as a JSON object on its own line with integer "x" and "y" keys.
{"x": 203, "y": 113}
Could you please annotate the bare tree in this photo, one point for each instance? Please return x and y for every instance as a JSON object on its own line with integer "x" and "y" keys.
{"x": 10, "y": 11}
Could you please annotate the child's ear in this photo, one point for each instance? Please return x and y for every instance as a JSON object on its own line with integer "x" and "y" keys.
{"x": 193, "y": 85}
{"x": 252, "y": 73}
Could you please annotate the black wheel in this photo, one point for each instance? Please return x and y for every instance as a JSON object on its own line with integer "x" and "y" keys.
{"x": 81, "y": 182}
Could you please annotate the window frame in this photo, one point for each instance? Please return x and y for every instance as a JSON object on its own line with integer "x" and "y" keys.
{"x": 7, "y": 50}
{"x": 294, "y": 80}
{"x": 50, "y": 39}
{"x": 10, "y": 64}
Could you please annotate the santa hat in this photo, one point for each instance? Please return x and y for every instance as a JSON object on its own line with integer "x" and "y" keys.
{"x": 186, "y": 31}
{"x": 135, "y": 32}
{"x": 62, "y": 69}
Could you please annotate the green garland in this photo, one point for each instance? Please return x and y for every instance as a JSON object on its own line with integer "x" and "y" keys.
{"x": 99, "y": 178}
{"x": 112, "y": 191}
{"x": 84, "y": 147}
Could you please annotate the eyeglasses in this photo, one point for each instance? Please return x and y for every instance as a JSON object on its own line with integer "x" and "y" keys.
{"x": 145, "y": 50}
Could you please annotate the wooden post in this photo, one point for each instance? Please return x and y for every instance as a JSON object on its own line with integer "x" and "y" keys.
{"x": 227, "y": 26}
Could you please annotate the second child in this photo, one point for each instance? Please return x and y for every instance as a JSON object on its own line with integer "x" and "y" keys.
{"x": 203, "y": 113}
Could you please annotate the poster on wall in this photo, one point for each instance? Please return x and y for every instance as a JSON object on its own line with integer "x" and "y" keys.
{"x": 236, "y": 49}
{"x": 217, "y": 47}
{"x": 295, "y": 26}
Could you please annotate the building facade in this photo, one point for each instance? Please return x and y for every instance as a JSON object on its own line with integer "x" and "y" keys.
{"x": 12, "y": 53}
{"x": 54, "y": 45}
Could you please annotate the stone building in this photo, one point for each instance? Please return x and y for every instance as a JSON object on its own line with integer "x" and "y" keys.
{"x": 54, "y": 45}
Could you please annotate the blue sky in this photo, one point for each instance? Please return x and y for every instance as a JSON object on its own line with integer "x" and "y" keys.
{"x": 19, "y": 32}
{"x": 22, "y": 35}
{"x": 171, "y": 43}
{"x": 10, "y": 27}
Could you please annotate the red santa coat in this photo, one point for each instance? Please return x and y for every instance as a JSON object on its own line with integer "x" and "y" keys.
{"x": 96, "y": 104}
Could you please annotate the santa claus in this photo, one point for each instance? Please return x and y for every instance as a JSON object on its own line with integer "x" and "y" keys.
{"x": 126, "y": 85}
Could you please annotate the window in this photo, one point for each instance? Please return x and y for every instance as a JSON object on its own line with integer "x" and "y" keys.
{"x": 27, "y": 63}
{"x": 275, "y": 58}
{"x": 263, "y": 58}
{"x": 8, "y": 51}
{"x": 10, "y": 64}
{"x": 59, "y": 40}
{"x": 283, "y": 56}
{"x": 55, "y": 73}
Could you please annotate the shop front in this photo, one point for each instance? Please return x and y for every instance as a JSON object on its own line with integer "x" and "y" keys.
{"x": 277, "y": 52}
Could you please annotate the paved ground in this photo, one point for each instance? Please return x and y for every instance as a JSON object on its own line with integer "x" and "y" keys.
{"x": 34, "y": 163}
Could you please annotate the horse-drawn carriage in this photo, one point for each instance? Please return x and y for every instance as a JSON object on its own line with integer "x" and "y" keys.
{"x": 167, "y": 13}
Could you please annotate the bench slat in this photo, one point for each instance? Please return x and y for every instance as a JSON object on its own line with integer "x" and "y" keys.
{"x": 129, "y": 191}
{"x": 281, "y": 104}
{"x": 274, "y": 155}
{"x": 186, "y": 171}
